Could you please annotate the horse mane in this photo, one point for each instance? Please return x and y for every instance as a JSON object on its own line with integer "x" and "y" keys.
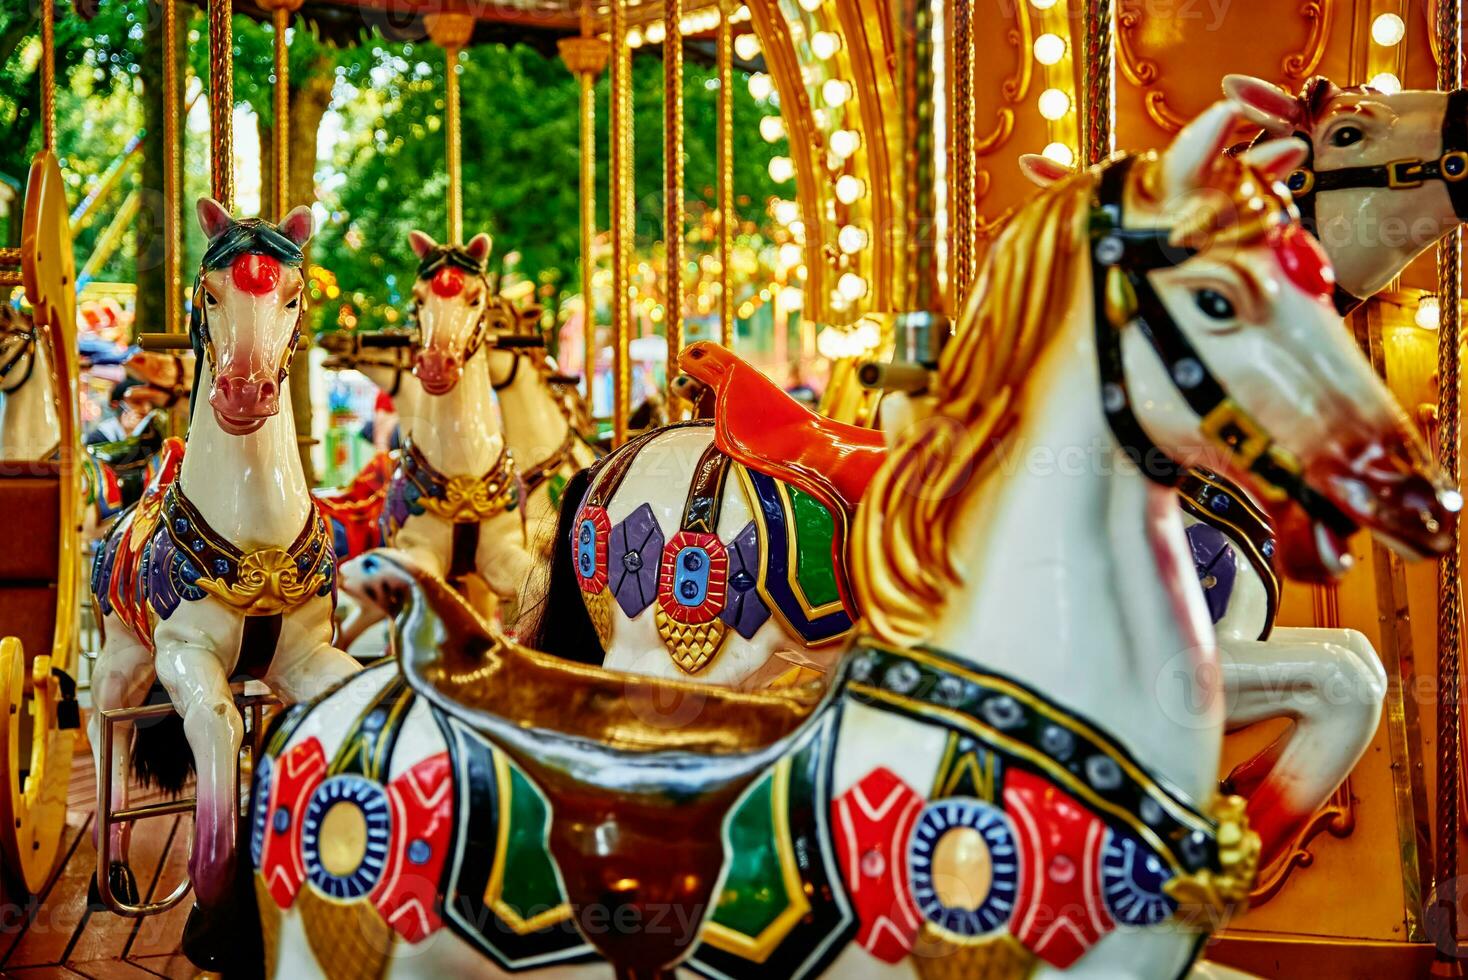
{"x": 902, "y": 566}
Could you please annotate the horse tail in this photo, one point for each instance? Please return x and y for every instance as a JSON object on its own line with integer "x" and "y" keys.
{"x": 564, "y": 626}
{"x": 161, "y": 754}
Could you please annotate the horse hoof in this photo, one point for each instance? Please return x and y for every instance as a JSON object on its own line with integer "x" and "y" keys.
{"x": 207, "y": 937}
{"x": 124, "y": 887}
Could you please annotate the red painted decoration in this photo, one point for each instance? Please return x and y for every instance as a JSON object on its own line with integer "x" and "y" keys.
{"x": 596, "y": 551}
{"x": 873, "y": 821}
{"x": 257, "y": 274}
{"x": 1059, "y": 913}
{"x": 714, "y": 578}
{"x": 1303, "y": 260}
{"x": 297, "y": 774}
{"x": 448, "y": 281}
{"x": 422, "y": 801}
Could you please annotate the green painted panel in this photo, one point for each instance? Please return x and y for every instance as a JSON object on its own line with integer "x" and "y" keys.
{"x": 530, "y": 884}
{"x": 754, "y": 894}
{"x": 814, "y": 529}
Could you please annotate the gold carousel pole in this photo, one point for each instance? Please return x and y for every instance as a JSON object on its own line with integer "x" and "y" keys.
{"x": 1449, "y": 27}
{"x": 586, "y": 56}
{"x": 221, "y": 102}
{"x": 673, "y": 189}
{"x": 726, "y": 175}
{"x": 280, "y": 18}
{"x": 172, "y": 226}
{"x": 450, "y": 30}
{"x": 962, "y": 166}
{"x": 48, "y": 75}
{"x": 1097, "y": 129}
{"x": 620, "y": 207}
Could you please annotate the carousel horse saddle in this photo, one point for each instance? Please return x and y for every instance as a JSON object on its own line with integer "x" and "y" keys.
{"x": 116, "y": 473}
{"x": 762, "y": 427}
{"x": 355, "y": 510}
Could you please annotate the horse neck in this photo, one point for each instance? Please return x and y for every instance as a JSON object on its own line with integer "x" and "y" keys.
{"x": 458, "y": 433}
{"x": 535, "y": 426}
{"x": 30, "y": 427}
{"x": 250, "y": 489}
{"x": 1077, "y": 579}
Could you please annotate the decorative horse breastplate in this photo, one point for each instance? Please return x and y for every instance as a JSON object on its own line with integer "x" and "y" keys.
{"x": 162, "y": 553}
{"x": 419, "y": 488}
{"x": 1231, "y": 524}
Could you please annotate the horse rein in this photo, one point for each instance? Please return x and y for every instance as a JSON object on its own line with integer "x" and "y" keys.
{"x": 1121, "y": 258}
{"x": 26, "y": 350}
{"x": 1451, "y": 167}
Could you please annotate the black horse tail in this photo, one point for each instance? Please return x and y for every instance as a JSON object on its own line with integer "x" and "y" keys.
{"x": 563, "y": 627}
{"x": 161, "y": 754}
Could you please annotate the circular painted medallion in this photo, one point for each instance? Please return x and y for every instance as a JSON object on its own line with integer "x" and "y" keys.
{"x": 963, "y": 867}
{"x": 344, "y": 836}
{"x": 1132, "y": 880}
{"x": 260, "y": 806}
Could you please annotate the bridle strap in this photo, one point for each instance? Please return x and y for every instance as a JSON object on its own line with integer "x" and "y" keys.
{"x": 28, "y": 348}
{"x": 515, "y": 356}
{"x": 1121, "y": 259}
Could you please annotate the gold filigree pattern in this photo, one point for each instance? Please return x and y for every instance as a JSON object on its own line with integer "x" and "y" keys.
{"x": 268, "y": 583}
{"x": 995, "y": 957}
{"x": 349, "y": 939}
{"x": 1207, "y": 895}
{"x": 469, "y": 500}
{"x": 599, "y": 608}
{"x": 1317, "y": 14}
{"x": 691, "y": 645}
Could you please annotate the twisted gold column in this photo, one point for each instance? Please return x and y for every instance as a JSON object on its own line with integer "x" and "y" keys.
{"x": 48, "y": 75}
{"x": 172, "y": 226}
{"x": 727, "y": 217}
{"x": 1100, "y": 26}
{"x": 280, "y": 16}
{"x": 221, "y": 102}
{"x": 961, "y": 148}
{"x": 673, "y": 189}
{"x": 586, "y": 56}
{"x": 1442, "y": 921}
{"x": 620, "y": 209}
{"x": 451, "y": 31}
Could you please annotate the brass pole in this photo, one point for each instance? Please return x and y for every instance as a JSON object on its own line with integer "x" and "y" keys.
{"x": 1100, "y": 27}
{"x": 172, "y": 226}
{"x": 621, "y": 220}
{"x": 221, "y": 102}
{"x": 281, "y": 17}
{"x": 451, "y": 30}
{"x": 961, "y": 148}
{"x": 586, "y": 56}
{"x": 48, "y": 75}
{"x": 920, "y": 204}
{"x": 673, "y": 188}
{"x": 1443, "y": 918}
{"x": 726, "y": 176}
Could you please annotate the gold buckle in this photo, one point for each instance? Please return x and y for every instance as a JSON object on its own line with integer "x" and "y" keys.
{"x": 1231, "y": 426}
{"x": 1404, "y": 173}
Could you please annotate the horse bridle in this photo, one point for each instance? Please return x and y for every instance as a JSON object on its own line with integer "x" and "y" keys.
{"x": 25, "y": 350}
{"x": 1451, "y": 167}
{"x": 1121, "y": 259}
{"x": 457, "y": 257}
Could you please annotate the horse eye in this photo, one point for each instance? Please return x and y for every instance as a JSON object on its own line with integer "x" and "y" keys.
{"x": 1346, "y": 136}
{"x": 1214, "y": 304}
{"x": 293, "y": 303}
{"x": 210, "y": 299}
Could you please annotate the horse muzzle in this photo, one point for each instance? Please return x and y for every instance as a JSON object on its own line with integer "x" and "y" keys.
{"x": 438, "y": 370}
{"x": 242, "y": 403}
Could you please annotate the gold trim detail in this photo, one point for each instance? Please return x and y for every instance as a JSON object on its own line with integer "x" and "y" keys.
{"x": 757, "y": 949}
{"x": 599, "y": 608}
{"x": 993, "y": 957}
{"x": 1205, "y": 895}
{"x": 1337, "y": 817}
{"x": 268, "y": 583}
{"x": 493, "y": 892}
{"x": 691, "y": 645}
{"x": 348, "y": 939}
{"x": 1300, "y": 64}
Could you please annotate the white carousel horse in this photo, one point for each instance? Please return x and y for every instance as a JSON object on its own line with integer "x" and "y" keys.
{"x": 1329, "y": 682}
{"x": 997, "y": 776}
{"x": 29, "y": 427}
{"x": 454, "y": 506}
{"x": 224, "y": 569}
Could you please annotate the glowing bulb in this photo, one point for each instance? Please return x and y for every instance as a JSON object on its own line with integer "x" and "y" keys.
{"x": 1049, "y": 48}
{"x": 845, "y": 142}
{"x": 655, "y": 33}
{"x": 1060, "y": 153}
{"x": 836, "y": 92}
{"x": 746, "y": 46}
{"x": 1429, "y": 313}
{"x": 797, "y": 231}
{"x": 1388, "y": 30}
{"x": 761, "y": 85}
{"x": 852, "y": 239}
{"x": 772, "y": 128}
{"x": 781, "y": 169}
{"x": 830, "y": 344}
{"x": 823, "y": 44}
{"x": 1386, "y": 83}
{"x": 1042, "y": 4}
{"x": 634, "y": 38}
{"x": 810, "y": 6}
{"x": 1054, "y": 104}
{"x": 790, "y": 255}
{"x": 792, "y": 297}
{"x": 849, "y": 189}
{"x": 786, "y": 212}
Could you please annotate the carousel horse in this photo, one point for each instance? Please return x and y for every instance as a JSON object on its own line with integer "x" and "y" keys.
{"x": 455, "y": 505}
{"x": 1328, "y": 682}
{"x": 29, "y": 427}
{"x": 224, "y": 569}
{"x": 542, "y": 413}
{"x": 995, "y": 775}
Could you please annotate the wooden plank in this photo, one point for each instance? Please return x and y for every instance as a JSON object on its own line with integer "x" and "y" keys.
{"x": 175, "y": 967}
{"x": 112, "y": 970}
{"x": 105, "y": 935}
{"x": 46, "y": 933}
{"x": 160, "y": 935}
{"x": 53, "y": 972}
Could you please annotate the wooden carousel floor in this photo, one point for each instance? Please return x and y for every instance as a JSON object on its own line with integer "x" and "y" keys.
{"x": 57, "y": 936}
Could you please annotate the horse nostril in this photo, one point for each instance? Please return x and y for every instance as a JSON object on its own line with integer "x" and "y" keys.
{"x": 267, "y": 389}
{"x": 225, "y": 387}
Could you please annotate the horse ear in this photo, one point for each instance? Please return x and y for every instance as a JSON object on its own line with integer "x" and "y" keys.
{"x": 1276, "y": 158}
{"x": 1195, "y": 150}
{"x": 298, "y": 225}
{"x": 213, "y": 218}
{"x": 421, "y": 243}
{"x": 1042, "y": 170}
{"x": 1264, "y": 104}
{"x": 479, "y": 247}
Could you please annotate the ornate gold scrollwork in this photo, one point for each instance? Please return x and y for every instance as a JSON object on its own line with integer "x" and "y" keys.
{"x": 268, "y": 583}
{"x": 470, "y": 499}
{"x": 1207, "y": 895}
{"x": 1337, "y": 818}
{"x": 1317, "y": 14}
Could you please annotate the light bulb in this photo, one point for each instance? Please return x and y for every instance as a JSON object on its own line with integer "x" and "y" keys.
{"x": 1049, "y": 48}
{"x": 634, "y": 38}
{"x": 810, "y": 6}
{"x": 845, "y": 142}
{"x": 1386, "y": 83}
{"x": 836, "y": 92}
{"x": 746, "y": 46}
{"x": 852, "y": 239}
{"x": 1429, "y": 313}
{"x": 852, "y": 286}
{"x": 761, "y": 85}
{"x": 823, "y": 44}
{"x": 849, "y": 189}
{"x": 1060, "y": 153}
{"x": 790, "y": 255}
{"x": 786, "y": 212}
{"x": 655, "y": 33}
{"x": 1042, "y": 4}
{"x": 781, "y": 169}
{"x": 1388, "y": 30}
{"x": 772, "y": 128}
{"x": 1054, "y": 104}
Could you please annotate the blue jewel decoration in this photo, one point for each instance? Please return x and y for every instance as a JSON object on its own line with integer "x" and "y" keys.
{"x": 1132, "y": 880}
{"x": 1219, "y": 503}
{"x": 990, "y": 912}
{"x": 419, "y": 851}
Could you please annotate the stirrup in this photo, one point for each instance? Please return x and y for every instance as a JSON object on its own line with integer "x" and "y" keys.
{"x": 251, "y": 706}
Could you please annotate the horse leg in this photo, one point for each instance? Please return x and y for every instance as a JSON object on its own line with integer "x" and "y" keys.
{"x": 504, "y": 561}
{"x": 197, "y": 680}
{"x": 306, "y": 665}
{"x": 120, "y": 679}
{"x": 1331, "y": 684}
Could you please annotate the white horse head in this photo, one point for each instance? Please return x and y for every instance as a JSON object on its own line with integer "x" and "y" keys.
{"x": 450, "y": 295}
{"x": 247, "y": 311}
